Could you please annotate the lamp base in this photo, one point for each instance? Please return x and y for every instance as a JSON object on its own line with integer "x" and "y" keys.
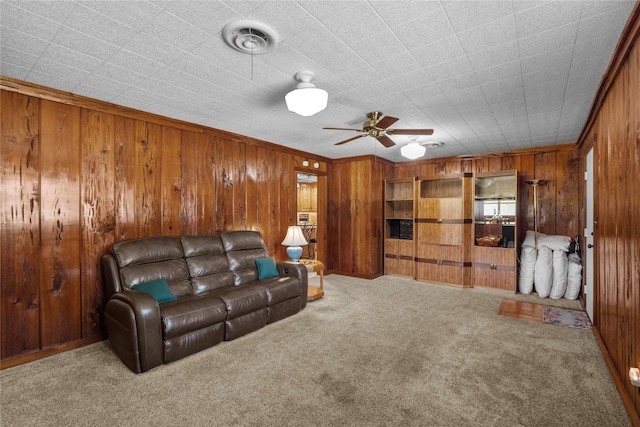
{"x": 294, "y": 252}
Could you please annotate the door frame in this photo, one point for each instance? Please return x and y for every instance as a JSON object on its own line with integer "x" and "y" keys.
{"x": 321, "y": 195}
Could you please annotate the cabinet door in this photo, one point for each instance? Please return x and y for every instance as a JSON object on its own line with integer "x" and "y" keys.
{"x": 494, "y": 268}
{"x": 304, "y": 198}
{"x": 398, "y": 258}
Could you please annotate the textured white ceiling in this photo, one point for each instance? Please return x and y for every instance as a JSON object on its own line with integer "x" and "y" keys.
{"x": 485, "y": 75}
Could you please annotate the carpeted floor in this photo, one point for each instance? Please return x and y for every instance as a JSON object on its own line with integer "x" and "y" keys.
{"x": 385, "y": 352}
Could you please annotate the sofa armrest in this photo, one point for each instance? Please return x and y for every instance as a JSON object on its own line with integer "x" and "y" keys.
{"x": 111, "y": 275}
{"x": 296, "y": 270}
{"x": 134, "y": 328}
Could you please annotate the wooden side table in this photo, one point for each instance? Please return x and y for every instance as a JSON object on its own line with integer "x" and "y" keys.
{"x": 313, "y": 265}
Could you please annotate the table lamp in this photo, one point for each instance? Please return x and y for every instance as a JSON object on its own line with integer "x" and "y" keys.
{"x": 294, "y": 241}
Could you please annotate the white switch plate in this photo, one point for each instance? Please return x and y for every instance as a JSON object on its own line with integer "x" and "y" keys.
{"x": 634, "y": 376}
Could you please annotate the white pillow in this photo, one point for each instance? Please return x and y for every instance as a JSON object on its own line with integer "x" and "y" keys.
{"x": 559, "y": 285}
{"x": 527, "y": 269}
{"x": 551, "y": 241}
{"x": 543, "y": 276}
{"x": 574, "y": 277}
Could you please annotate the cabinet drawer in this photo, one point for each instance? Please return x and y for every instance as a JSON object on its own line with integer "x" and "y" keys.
{"x": 435, "y": 252}
{"x": 498, "y": 256}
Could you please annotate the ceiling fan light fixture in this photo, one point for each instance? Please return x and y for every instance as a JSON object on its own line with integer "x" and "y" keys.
{"x": 413, "y": 150}
{"x": 306, "y": 99}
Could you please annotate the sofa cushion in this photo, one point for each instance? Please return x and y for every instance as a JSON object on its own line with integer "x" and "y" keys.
{"x": 159, "y": 289}
{"x": 241, "y": 300}
{"x": 201, "y": 245}
{"x": 146, "y": 250}
{"x": 175, "y": 271}
{"x": 281, "y": 289}
{"x": 191, "y": 313}
{"x": 242, "y": 249}
{"x": 266, "y": 268}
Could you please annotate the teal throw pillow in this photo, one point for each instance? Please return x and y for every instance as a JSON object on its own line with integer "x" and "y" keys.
{"x": 266, "y": 268}
{"x": 159, "y": 289}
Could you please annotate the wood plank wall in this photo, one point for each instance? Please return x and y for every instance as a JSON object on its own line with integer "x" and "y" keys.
{"x": 78, "y": 176}
{"x": 614, "y": 135}
{"x": 355, "y": 223}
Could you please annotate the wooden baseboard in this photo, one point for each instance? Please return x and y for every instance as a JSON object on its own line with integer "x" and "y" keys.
{"x": 620, "y": 384}
{"x": 41, "y": 354}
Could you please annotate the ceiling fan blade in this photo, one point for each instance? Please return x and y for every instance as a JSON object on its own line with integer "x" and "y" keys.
{"x": 386, "y": 121}
{"x": 357, "y": 130}
{"x": 349, "y": 140}
{"x": 410, "y": 131}
{"x": 386, "y": 141}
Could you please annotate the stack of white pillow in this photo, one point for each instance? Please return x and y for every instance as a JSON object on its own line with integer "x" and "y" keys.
{"x": 552, "y": 271}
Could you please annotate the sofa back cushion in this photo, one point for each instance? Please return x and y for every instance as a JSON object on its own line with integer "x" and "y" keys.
{"x": 152, "y": 258}
{"x": 207, "y": 263}
{"x": 242, "y": 249}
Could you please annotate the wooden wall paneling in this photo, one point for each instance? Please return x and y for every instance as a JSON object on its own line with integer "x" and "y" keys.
{"x": 323, "y": 204}
{"x": 251, "y": 180}
{"x": 60, "y": 223}
{"x": 265, "y": 201}
{"x": 545, "y": 164}
{"x": 125, "y": 172}
{"x": 525, "y": 165}
{"x": 285, "y": 192}
{"x": 341, "y": 215}
{"x": 568, "y": 178}
{"x": 189, "y": 167}
{"x": 19, "y": 224}
{"x": 605, "y": 242}
{"x": 453, "y": 166}
{"x": 632, "y": 304}
{"x": 230, "y": 185}
{"x": 426, "y": 169}
{"x": 360, "y": 181}
{"x": 171, "y": 181}
{"x": 619, "y": 134}
{"x": 466, "y": 166}
{"x": 482, "y": 165}
{"x": 206, "y": 183}
{"x": 440, "y": 168}
{"x": 148, "y": 195}
{"x": 509, "y": 163}
{"x": 97, "y": 131}
{"x": 405, "y": 170}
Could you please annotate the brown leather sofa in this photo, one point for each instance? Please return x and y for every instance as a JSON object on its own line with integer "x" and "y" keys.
{"x": 218, "y": 295}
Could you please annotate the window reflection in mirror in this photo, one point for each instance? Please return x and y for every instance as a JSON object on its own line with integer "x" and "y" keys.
{"x": 307, "y": 211}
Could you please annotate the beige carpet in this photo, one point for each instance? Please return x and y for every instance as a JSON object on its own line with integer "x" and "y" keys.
{"x": 386, "y": 352}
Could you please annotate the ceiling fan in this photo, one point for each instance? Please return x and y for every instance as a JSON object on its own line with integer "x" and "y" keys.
{"x": 378, "y": 127}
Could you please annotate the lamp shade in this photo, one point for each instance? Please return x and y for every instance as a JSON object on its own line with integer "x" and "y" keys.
{"x": 306, "y": 99}
{"x": 413, "y": 150}
{"x": 294, "y": 240}
{"x": 294, "y": 237}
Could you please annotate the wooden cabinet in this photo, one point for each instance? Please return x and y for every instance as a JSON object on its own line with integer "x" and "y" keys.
{"x": 443, "y": 229}
{"x": 495, "y": 245}
{"x": 399, "y": 227}
{"x": 307, "y": 197}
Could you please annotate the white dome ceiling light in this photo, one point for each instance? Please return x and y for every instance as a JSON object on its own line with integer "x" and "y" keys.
{"x": 250, "y": 37}
{"x": 415, "y": 149}
{"x": 306, "y": 99}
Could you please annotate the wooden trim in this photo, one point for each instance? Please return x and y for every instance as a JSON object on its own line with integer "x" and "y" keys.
{"x": 443, "y": 262}
{"x": 41, "y": 354}
{"x": 443, "y": 221}
{"x": 626, "y": 42}
{"x": 363, "y": 158}
{"x": 626, "y": 401}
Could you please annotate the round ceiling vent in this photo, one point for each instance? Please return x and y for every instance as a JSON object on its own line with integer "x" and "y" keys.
{"x": 250, "y": 37}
